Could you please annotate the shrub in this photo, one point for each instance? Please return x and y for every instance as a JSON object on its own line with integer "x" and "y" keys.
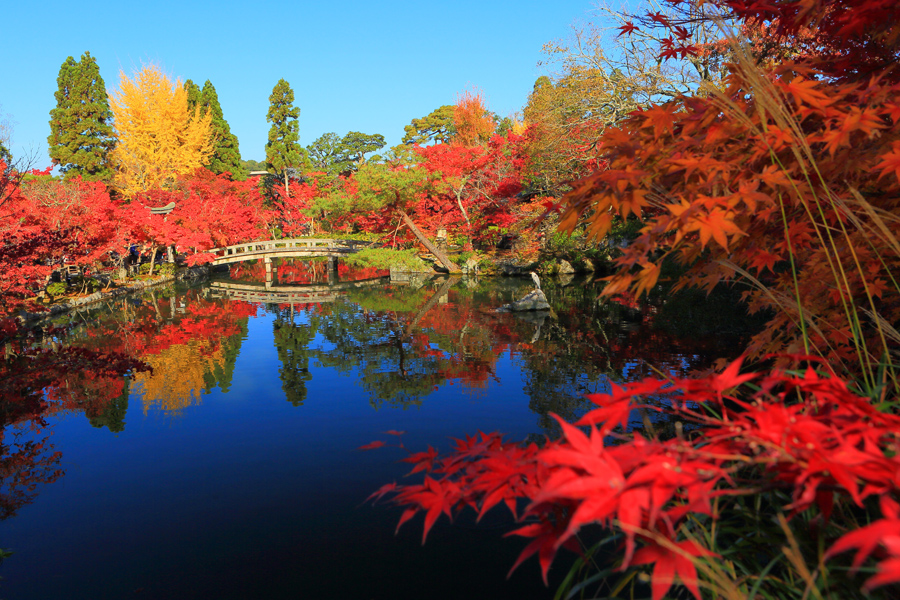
{"x": 385, "y": 258}
{"x": 56, "y": 289}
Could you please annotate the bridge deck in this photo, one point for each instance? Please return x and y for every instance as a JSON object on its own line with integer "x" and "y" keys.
{"x": 293, "y": 248}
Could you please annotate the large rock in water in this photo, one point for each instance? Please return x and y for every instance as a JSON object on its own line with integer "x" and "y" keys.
{"x": 565, "y": 267}
{"x": 534, "y": 300}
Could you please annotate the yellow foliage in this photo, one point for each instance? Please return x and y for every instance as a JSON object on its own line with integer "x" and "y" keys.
{"x": 519, "y": 127}
{"x": 177, "y": 379}
{"x": 159, "y": 138}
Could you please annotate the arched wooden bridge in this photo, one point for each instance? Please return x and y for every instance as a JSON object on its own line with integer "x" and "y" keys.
{"x": 293, "y": 248}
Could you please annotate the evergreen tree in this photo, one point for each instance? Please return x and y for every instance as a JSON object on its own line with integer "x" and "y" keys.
{"x": 335, "y": 155}
{"x": 253, "y": 165}
{"x": 355, "y": 146}
{"x": 193, "y": 95}
{"x": 283, "y": 150}
{"x": 437, "y": 126}
{"x": 323, "y": 152}
{"x": 81, "y": 135}
{"x": 226, "y": 154}
{"x": 292, "y": 343}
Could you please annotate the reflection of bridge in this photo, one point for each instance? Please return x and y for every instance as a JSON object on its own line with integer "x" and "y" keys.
{"x": 289, "y": 294}
{"x": 294, "y": 248}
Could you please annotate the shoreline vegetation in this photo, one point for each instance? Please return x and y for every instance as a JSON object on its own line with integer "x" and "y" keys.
{"x": 69, "y": 303}
{"x": 401, "y": 262}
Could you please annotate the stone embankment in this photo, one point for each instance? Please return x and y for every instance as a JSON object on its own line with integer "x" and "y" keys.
{"x": 188, "y": 274}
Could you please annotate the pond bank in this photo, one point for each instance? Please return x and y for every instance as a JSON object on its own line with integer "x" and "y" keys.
{"x": 189, "y": 273}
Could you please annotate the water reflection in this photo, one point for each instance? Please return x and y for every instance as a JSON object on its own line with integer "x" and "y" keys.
{"x": 428, "y": 343}
{"x": 39, "y": 379}
{"x": 292, "y": 342}
{"x": 28, "y": 461}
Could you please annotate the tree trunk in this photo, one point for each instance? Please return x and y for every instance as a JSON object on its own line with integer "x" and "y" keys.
{"x": 468, "y": 246}
{"x": 459, "y": 203}
{"x": 449, "y": 264}
{"x": 287, "y": 188}
{"x": 152, "y": 259}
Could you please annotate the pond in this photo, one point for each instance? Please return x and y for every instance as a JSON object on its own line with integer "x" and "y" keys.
{"x": 227, "y": 466}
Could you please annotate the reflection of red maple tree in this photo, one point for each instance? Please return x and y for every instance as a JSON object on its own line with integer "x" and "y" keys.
{"x": 84, "y": 371}
{"x": 37, "y": 381}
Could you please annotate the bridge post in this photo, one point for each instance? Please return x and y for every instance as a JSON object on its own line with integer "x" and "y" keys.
{"x": 268, "y": 261}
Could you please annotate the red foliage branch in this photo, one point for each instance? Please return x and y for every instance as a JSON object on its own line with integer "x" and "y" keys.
{"x": 753, "y": 183}
{"x": 800, "y": 431}
{"x": 210, "y": 211}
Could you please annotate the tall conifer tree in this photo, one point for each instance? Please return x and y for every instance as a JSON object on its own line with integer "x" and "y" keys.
{"x": 226, "y": 154}
{"x": 283, "y": 149}
{"x": 81, "y": 135}
{"x": 193, "y": 95}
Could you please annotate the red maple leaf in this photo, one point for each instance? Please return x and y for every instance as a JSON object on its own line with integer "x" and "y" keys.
{"x": 884, "y": 532}
{"x": 669, "y": 563}
{"x": 545, "y": 536}
{"x": 627, "y": 28}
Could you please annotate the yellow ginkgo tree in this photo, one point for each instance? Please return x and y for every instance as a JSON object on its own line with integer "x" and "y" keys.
{"x": 159, "y": 137}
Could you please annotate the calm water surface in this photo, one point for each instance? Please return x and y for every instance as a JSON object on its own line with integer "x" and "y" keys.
{"x": 231, "y": 469}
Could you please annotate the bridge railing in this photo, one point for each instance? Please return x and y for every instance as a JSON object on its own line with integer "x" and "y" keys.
{"x": 309, "y": 244}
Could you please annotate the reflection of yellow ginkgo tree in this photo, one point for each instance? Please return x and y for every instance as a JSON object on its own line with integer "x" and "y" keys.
{"x": 179, "y": 375}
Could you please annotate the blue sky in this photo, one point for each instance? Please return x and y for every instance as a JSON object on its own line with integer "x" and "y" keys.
{"x": 354, "y": 66}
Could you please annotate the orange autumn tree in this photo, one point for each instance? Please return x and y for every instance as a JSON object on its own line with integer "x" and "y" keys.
{"x": 158, "y": 136}
{"x": 786, "y": 182}
{"x": 473, "y": 122}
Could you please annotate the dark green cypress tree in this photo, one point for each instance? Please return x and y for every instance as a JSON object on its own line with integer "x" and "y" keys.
{"x": 226, "y": 155}
{"x": 283, "y": 149}
{"x": 194, "y": 95}
{"x": 81, "y": 134}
